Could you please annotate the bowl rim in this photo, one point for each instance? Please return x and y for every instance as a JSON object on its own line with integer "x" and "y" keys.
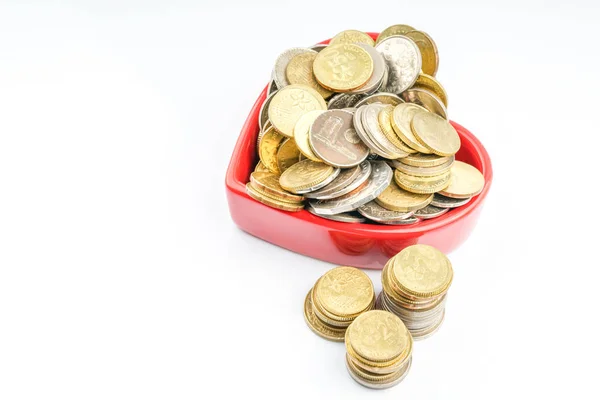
{"x": 249, "y": 132}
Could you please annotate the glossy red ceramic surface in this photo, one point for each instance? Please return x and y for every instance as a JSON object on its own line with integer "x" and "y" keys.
{"x": 359, "y": 245}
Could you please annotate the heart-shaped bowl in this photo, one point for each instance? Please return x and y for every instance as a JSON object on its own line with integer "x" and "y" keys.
{"x": 361, "y": 245}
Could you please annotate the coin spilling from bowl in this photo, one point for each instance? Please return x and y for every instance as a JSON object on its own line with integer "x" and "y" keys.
{"x": 358, "y": 131}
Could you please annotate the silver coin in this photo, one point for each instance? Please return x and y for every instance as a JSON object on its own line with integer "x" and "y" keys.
{"x": 378, "y": 385}
{"x": 403, "y": 59}
{"x": 364, "y": 136}
{"x": 272, "y": 88}
{"x": 264, "y": 111}
{"x": 318, "y": 47}
{"x": 425, "y": 171}
{"x": 379, "y": 69}
{"x": 377, "y": 213}
{"x": 380, "y": 178}
{"x": 448, "y": 202}
{"x": 351, "y": 217}
{"x": 407, "y": 221}
{"x": 425, "y": 333}
{"x": 347, "y": 181}
{"x": 384, "y": 98}
{"x": 343, "y": 100}
{"x": 282, "y": 62}
{"x": 370, "y": 123}
{"x": 426, "y": 99}
{"x": 430, "y": 212}
{"x": 326, "y": 182}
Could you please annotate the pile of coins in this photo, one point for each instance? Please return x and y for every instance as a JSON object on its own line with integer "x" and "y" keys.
{"x": 336, "y": 299}
{"x": 379, "y": 150}
{"x": 378, "y": 349}
{"x": 415, "y": 283}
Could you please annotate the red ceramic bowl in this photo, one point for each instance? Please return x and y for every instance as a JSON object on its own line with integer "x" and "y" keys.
{"x": 359, "y": 245}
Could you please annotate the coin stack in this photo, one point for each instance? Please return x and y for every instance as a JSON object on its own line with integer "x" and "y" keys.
{"x": 337, "y": 299}
{"x": 378, "y": 349}
{"x": 415, "y": 283}
{"x": 380, "y": 149}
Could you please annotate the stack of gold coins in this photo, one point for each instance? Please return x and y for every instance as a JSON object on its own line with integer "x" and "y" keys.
{"x": 264, "y": 187}
{"x": 336, "y": 299}
{"x": 359, "y": 128}
{"x": 415, "y": 283}
{"x": 378, "y": 349}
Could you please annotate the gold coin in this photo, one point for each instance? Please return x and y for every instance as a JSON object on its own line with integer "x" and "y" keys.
{"x": 370, "y": 376}
{"x": 378, "y": 369}
{"x": 271, "y": 202}
{"x": 397, "y": 199}
{"x": 422, "y": 270}
{"x": 424, "y": 160}
{"x": 305, "y": 174}
{"x": 268, "y": 183}
{"x": 301, "y": 134}
{"x": 385, "y": 122}
{"x": 267, "y": 149}
{"x": 300, "y": 71}
{"x": 345, "y": 291}
{"x": 332, "y": 319}
{"x": 394, "y": 30}
{"x": 422, "y": 184}
{"x": 260, "y": 167}
{"x": 429, "y": 52}
{"x": 290, "y": 103}
{"x": 352, "y": 36}
{"x": 317, "y": 326}
{"x": 287, "y": 154}
{"x": 343, "y": 67}
{"x": 401, "y": 118}
{"x": 465, "y": 181}
{"x": 431, "y": 84}
{"x": 377, "y": 335}
{"x": 435, "y": 133}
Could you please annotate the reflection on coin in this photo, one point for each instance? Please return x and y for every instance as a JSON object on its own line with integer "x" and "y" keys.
{"x": 300, "y": 71}
{"x": 425, "y": 171}
{"x": 304, "y": 175}
{"x": 422, "y": 184}
{"x": 290, "y": 103}
{"x": 431, "y": 84}
{"x": 466, "y": 181}
{"x": 333, "y": 139}
{"x": 380, "y": 178}
{"x": 394, "y": 30}
{"x": 448, "y": 202}
{"x": 349, "y": 217}
{"x": 301, "y": 131}
{"x": 397, "y": 199}
{"x": 379, "y": 68}
{"x": 384, "y": 98}
{"x": 401, "y": 118}
{"x": 343, "y": 67}
{"x": 375, "y": 212}
{"x": 435, "y": 133}
{"x": 428, "y": 50}
{"x": 287, "y": 155}
{"x": 344, "y": 100}
{"x": 267, "y": 150}
{"x": 430, "y": 212}
{"x": 352, "y": 36}
{"x": 347, "y": 181}
{"x": 403, "y": 59}
{"x": 426, "y": 99}
{"x": 281, "y": 64}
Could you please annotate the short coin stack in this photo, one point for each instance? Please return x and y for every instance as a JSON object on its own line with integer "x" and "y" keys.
{"x": 378, "y": 349}
{"x": 415, "y": 283}
{"x": 336, "y": 299}
{"x": 380, "y": 149}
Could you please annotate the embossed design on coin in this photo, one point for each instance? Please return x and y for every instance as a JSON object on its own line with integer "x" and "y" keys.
{"x": 352, "y": 36}
{"x": 343, "y": 100}
{"x": 347, "y": 181}
{"x": 403, "y": 59}
{"x": 290, "y": 103}
{"x": 343, "y": 67}
{"x": 345, "y": 291}
{"x": 379, "y": 71}
{"x": 397, "y": 199}
{"x": 422, "y": 270}
{"x": 281, "y": 64}
{"x": 378, "y": 335}
{"x": 300, "y": 71}
{"x": 427, "y": 49}
{"x": 381, "y": 97}
{"x": 304, "y": 174}
{"x": 425, "y": 99}
{"x": 333, "y": 139}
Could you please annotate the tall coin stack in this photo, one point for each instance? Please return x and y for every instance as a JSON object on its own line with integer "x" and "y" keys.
{"x": 415, "y": 283}
{"x": 378, "y": 349}
{"x": 359, "y": 130}
{"x": 336, "y": 299}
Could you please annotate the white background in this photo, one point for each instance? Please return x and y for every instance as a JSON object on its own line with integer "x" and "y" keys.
{"x": 123, "y": 277}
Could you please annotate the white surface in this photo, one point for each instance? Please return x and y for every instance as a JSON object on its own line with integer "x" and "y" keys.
{"x": 123, "y": 277}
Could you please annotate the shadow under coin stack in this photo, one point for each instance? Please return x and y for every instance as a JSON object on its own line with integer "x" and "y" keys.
{"x": 378, "y": 349}
{"x": 338, "y": 297}
{"x": 415, "y": 283}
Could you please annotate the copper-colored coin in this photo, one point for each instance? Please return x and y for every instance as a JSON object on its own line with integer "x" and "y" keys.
{"x": 287, "y": 154}
{"x": 333, "y": 139}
